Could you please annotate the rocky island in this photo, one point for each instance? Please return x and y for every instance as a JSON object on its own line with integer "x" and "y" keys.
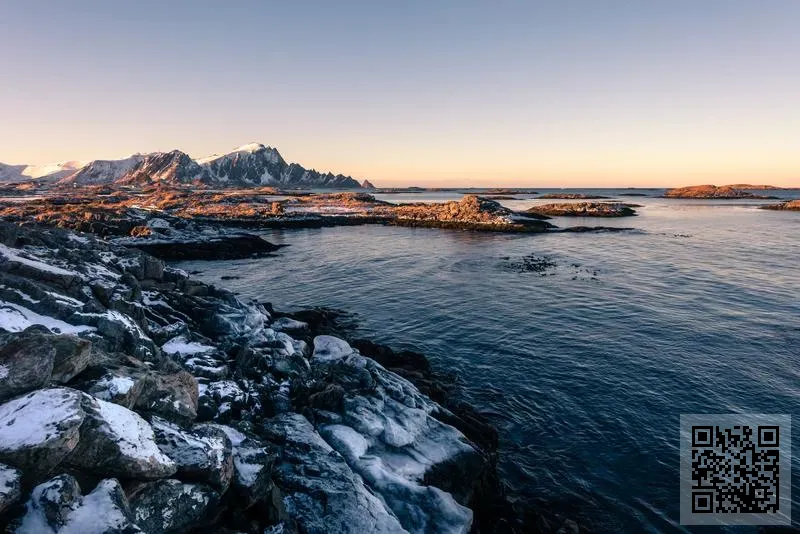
{"x": 584, "y": 209}
{"x": 571, "y": 196}
{"x": 712, "y": 192}
{"x": 789, "y": 205}
{"x": 136, "y": 399}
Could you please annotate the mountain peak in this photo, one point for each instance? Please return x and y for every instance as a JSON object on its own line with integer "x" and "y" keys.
{"x": 251, "y": 147}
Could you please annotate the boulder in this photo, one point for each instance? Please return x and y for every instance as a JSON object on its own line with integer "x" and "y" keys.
{"x": 26, "y": 361}
{"x": 173, "y": 396}
{"x": 172, "y": 506}
{"x": 41, "y": 429}
{"x": 321, "y": 493}
{"x": 252, "y": 465}
{"x": 73, "y": 355}
{"x": 116, "y": 441}
{"x": 120, "y": 386}
{"x": 10, "y": 486}
{"x": 330, "y": 348}
{"x": 57, "y": 506}
{"x": 203, "y": 454}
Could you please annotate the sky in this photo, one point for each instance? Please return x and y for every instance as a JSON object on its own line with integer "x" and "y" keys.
{"x": 561, "y": 93}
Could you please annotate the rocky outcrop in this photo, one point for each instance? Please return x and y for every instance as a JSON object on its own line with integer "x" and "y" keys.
{"x": 571, "y": 196}
{"x": 789, "y": 205}
{"x": 710, "y": 192}
{"x": 584, "y": 209}
{"x": 204, "y": 409}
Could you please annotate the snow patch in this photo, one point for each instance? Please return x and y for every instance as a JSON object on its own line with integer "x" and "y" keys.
{"x": 16, "y": 318}
{"x": 180, "y": 345}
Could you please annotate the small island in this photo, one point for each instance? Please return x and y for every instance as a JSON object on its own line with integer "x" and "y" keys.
{"x": 584, "y": 209}
{"x": 715, "y": 192}
{"x": 790, "y": 205}
{"x": 572, "y": 196}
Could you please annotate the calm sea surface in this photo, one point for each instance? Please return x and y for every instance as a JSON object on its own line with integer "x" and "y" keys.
{"x": 586, "y": 366}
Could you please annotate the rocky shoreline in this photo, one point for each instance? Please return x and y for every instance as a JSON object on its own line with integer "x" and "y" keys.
{"x": 157, "y": 403}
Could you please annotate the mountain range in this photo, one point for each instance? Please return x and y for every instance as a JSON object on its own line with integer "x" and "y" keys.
{"x": 250, "y": 165}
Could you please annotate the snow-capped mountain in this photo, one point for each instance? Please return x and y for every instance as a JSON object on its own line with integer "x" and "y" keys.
{"x": 256, "y": 164}
{"x": 250, "y": 165}
{"x": 23, "y": 173}
{"x": 103, "y": 171}
{"x": 164, "y": 167}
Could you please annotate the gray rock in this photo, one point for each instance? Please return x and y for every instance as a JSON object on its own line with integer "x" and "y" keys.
{"x": 252, "y": 466}
{"x": 26, "y": 361}
{"x": 57, "y": 506}
{"x": 172, "y": 506}
{"x": 116, "y": 441}
{"x": 10, "y": 486}
{"x": 321, "y": 492}
{"x": 40, "y": 429}
{"x": 72, "y": 356}
{"x": 173, "y": 396}
{"x": 203, "y": 454}
{"x": 120, "y": 385}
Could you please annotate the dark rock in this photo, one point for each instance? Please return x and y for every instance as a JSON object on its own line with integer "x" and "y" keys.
{"x": 226, "y": 247}
{"x": 583, "y": 209}
{"x": 173, "y": 396}
{"x": 26, "y": 361}
{"x": 172, "y": 506}
{"x": 202, "y": 454}
{"x": 72, "y": 356}
{"x": 10, "y": 486}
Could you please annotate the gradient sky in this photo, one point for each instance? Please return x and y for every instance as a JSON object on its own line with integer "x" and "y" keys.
{"x": 557, "y": 93}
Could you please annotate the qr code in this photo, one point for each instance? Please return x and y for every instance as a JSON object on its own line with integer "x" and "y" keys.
{"x": 735, "y": 466}
{"x": 735, "y": 470}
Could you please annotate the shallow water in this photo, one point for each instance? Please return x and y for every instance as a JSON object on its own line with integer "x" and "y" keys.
{"x": 585, "y": 366}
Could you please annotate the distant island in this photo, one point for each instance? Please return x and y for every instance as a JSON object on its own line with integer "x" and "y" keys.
{"x": 717, "y": 192}
{"x": 791, "y": 205}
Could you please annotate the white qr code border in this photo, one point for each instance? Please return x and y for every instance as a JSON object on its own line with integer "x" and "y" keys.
{"x": 689, "y": 489}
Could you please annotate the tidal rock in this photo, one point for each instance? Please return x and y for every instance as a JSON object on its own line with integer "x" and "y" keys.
{"x": 790, "y": 205}
{"x": 330, "y": 348}
{"x": 172, "y": 506}
{"x": 57, "y": 507}
{"x": 10, "y": 486}
{"x": 321, "y": 492}
{"x": 710, "y": 191}
{"x": 26, "y": 361}
{"x": 40, "y": 429}
{"x": 286, "y": 324}
{"x": 202, "y": 454}
{"x": 116, "y": 441}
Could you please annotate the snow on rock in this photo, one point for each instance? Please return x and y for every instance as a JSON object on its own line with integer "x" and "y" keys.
{"x": 202, "y": 454}
{"x": 10, "y": 486}
{"x": 181, "y": 345}
{"x": 321, "y": 492}
{"x": 40, "y": 429}
{"x": 286, "y": 324}
{"x": 57, "y": 507}
{"x": 16, "y": 318}
{"x": 330, "y": 348}
{"x": 117, "y": 441}
{"x": 114, "y": 388}
{"x": 252, "y": 464}
{"x": 388, "y": 437}
{"x": 14, "y": 256}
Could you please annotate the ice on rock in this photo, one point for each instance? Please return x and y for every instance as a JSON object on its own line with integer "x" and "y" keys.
{"x": 330, "y": 348}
